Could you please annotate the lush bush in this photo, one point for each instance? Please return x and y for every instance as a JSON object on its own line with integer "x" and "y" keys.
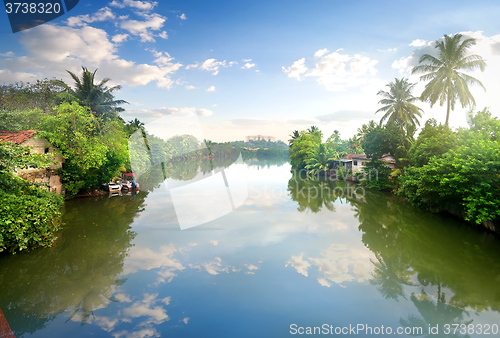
{"x": 465, "y": 179}
{"x": 28, "y": 214}
{"x": 93, "y": 150}
{"x": 433, "y": 140}
{"x": 377, "y": 176}
{"x": 303, "y": 148}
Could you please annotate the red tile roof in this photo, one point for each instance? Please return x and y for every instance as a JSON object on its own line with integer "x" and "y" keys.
{"x": 361, "y": 156}
{"x": 18, "y": 137}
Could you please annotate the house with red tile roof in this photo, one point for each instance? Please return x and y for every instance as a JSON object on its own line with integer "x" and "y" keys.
{"x": 29, "y": 138}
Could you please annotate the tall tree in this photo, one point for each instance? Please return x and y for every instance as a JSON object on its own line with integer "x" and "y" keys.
{"x": 447, "y": 82}
{"x": 295, "y": 135}
{"x": 97, "y": 96}
{"x": 312, "y": 129}
{"x": 398, "y": 104}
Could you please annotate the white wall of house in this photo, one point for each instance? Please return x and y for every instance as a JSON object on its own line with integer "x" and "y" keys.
{"x": 46, "y": 176}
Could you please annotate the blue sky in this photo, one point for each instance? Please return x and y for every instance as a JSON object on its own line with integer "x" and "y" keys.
{"x": 260, "y": 67}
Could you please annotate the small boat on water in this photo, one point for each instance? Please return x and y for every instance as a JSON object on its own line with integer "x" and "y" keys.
{"x": 129, "y": 182}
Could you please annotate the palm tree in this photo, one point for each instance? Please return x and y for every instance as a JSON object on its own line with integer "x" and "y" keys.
{"x": 312, "y": 129}
{"x": 398, "y": 104}
{"x": 320, "y": 159}
{"x": 98, "y": 97}
{"x": 447, "y": 83}
{"x": 365, "y": 129}
{"x": 295, "y": 135}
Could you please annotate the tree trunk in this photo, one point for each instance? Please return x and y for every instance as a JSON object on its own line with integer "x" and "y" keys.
{"x": 448, "y": 109}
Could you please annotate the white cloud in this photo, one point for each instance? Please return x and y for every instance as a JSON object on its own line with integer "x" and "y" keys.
{"x": 143, "y": 29}
{"x": 146, "y": 308}
{"x": 52, "y": 49}
{"x": 320, "y": 53}
{"x": 147, "y": 115}
{"x": 118, "y": 38}
{"x": 340, "y": 263}
{"x": 248, "y": 65}
{"x": 324, "y": 282}
{"x": 185, "y": 320}
{"x": 299, "y": 264}
{"x": 166, "y": 300}
{"x": 211, "y": 89}
{"x": 102, "y": 14}
{"x": 182, "y": 16}
{"x": 146, "y": 259}
{"x": 211, "y": 65}
{"x": 402, "y": 65}
{"x": 7, "y": 54}
{"x": 142, "y": 333}
{"x": 141, "y": 5}
{"x": 214, "y": 242}
{"x": 296, "y": 69}
{"x": 336, "y": 71}
{"x": 418, "y": 43}
{"x": 251, "y": 267}
{"x": 122, "y": 298}
{"x": 388, "y": 50}
{"x": 247, "y": 60}
{"x": 163, "y": 35}
{"x": 214, "y": 268}
{"x": 190, "y": 87}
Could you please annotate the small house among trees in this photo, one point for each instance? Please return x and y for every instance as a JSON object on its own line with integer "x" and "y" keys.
{"x": 48, "y": 177}
{"x": 356, "y": 162}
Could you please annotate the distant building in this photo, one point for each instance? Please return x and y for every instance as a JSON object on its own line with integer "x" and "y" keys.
{"x": 356, "y": 162}
{"x": 39, "y": 146}
{"x": 260, "y": 138}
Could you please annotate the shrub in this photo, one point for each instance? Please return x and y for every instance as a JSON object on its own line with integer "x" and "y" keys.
{"x": 29, "y": 215}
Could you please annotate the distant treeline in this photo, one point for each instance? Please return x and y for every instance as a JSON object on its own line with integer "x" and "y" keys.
{"x": 262, "y": 150}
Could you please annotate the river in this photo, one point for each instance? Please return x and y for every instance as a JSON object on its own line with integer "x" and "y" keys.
{"x": 296, "y": 256}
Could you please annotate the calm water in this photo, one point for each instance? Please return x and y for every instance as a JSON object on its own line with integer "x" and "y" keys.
{"x": 304, "y": 253}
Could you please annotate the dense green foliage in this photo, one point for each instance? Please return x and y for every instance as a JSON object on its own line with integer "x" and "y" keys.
{"x": 28, "y": 214}
{"x": 465, "y": 179}
{"x": 303, "y": 148}
{"x": 93, "y": 150}
{"x": 433, "y": 140}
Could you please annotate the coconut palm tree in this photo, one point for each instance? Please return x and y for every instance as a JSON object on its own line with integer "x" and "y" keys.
{"x": 447, "y": 82}
{"x": 312, "y": 129}
{"x": 365, "y": 129}
{"x": 398, "y": 104}
{"x": 295, "y": 135}
{"x": 98, "y": 97}
{"x": 320, "y": 159}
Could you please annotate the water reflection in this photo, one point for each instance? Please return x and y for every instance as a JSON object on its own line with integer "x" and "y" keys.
{"x": 444, "y": 267}
{"x": 79, "y": 274}
{"x": 333, "y": 257}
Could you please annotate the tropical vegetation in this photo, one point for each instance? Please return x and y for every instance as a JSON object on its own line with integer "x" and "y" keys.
{"x": 447, "y": 82}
